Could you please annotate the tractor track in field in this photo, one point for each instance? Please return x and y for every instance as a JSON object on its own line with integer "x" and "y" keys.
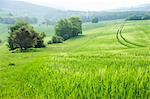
{"x": 123, "y": 41}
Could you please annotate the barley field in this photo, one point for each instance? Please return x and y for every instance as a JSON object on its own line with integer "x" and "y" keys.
{"x": 109, "y": 60}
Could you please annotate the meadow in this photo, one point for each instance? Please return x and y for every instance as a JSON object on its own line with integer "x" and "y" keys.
{"x": 104, "y": 62}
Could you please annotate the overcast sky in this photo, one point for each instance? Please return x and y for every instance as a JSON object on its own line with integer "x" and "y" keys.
{"x": 92, "y": 5}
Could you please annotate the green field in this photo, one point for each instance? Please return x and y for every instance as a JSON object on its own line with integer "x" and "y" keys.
{"x": 98, "y": 64}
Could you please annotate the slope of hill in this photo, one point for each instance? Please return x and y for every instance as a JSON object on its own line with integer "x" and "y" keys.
{"x": 94, "y": 65}
{"x": 23, "y": 7}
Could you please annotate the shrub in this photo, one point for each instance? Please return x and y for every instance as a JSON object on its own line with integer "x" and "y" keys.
{"x": 57, "y": 39}
{"x": 0, "y": 41}
{"x": 40, "y": 41}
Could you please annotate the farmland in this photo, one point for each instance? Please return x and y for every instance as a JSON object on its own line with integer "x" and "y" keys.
{"x": 92, "y": 65}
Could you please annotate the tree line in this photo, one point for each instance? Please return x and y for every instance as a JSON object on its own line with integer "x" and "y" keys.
{"x": 102, "y": 16}
{"x": 85, "y": 17}
{"x": 139, "y": 17}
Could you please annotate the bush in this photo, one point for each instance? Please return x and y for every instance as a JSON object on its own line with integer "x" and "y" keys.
{"x": 56, "y": 39}
{"x": 40, "y": 41}
{"x": 0, "y": 41}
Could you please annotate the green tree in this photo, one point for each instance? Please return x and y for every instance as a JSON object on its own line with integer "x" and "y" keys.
{"x": 23, "y": 36}
{"x": 135, "y": 17}
{"x": 68, "y": 28}
{"x": 63, "y": 29}
{"x": 76, "y": 26}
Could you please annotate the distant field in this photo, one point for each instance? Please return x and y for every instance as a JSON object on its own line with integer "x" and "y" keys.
{"x": 49, "y": 30}
{"x": 3, "y": 31}
{"x": 93, "y": 65}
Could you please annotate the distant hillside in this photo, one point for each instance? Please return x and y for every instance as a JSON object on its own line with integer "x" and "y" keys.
{"x": 20, "y": 8}
{"x": 26, "y": 8}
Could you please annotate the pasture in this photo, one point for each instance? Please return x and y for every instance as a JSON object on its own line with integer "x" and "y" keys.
{"x": 106, "y": 61}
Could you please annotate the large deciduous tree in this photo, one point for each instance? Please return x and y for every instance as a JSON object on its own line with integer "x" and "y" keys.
{"x": 23, "y": 36}
{"x": 63, "y": 29}
{"x": 76, "y": 26}
{"x": 68, "y": 28}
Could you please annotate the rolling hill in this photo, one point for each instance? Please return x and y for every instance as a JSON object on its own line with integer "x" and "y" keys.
{"x": 24, "y": 7}
{"x": 110, "y": 60}
{"x": 94, "y": 65}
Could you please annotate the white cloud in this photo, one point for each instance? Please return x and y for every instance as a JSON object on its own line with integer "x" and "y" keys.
{"x": 96, "y": 5}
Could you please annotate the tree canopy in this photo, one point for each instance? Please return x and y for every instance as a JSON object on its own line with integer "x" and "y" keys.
{"x": 23, "y": 36}
{"x": 67, "y": 28}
